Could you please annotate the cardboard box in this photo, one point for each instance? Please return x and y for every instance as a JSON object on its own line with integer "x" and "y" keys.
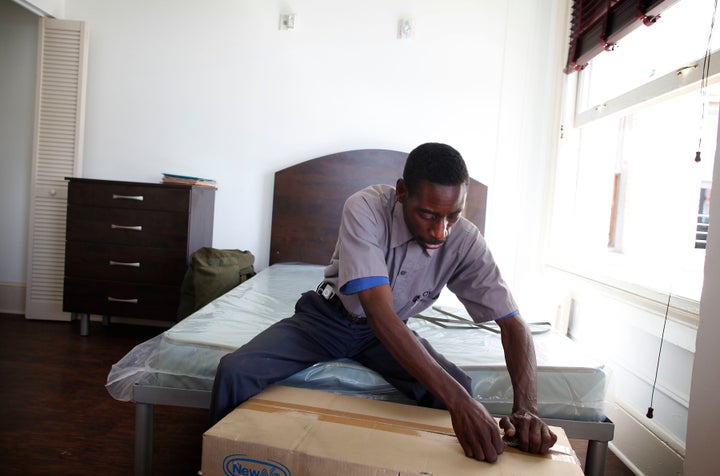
{"x": 287, "y": 431}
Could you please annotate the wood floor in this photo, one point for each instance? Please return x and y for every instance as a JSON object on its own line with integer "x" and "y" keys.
{"x": 57, "y": 418}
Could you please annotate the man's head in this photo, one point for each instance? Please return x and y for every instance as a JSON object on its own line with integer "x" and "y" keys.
{"x": 435, "y": 163}
{"x": 433, "y": 191}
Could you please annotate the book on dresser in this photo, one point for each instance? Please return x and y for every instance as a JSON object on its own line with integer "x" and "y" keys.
{"x": 128, "y": 245}
{"x": 189, "y": 180}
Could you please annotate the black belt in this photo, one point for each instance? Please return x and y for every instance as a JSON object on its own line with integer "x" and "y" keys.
{"x": 325, "y": 290}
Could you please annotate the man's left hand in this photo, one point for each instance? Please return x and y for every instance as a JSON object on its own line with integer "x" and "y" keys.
{"x": 529, "y": 431}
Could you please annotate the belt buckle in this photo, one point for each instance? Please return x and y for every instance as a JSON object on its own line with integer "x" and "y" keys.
{"x": 326, "y": 291}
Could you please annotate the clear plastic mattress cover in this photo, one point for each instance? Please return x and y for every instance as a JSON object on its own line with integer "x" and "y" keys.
{"x": 571, "y": 385}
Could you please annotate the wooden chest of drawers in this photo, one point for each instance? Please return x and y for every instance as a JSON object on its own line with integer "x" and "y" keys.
{"x": 128, "y": 245}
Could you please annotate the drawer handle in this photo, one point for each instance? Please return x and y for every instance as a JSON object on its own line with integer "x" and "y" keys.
{"x": 121, "y": 263}
{"x": 131, "y": 301}
{"x": 124, "y": 227}
{"x": 138, "y": 198}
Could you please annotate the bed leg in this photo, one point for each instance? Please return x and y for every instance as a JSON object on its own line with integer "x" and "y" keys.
{"x": 143, "y": 439}
{"x": 595, "y": 458}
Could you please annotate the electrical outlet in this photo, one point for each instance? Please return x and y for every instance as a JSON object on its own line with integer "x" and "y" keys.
{"x": 406, "y": 29}
{"x": 287, "y": 21}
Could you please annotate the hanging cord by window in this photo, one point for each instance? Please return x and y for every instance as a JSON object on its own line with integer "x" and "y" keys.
{"x": 704, "y": 79}
{"x": 650, "y": 409}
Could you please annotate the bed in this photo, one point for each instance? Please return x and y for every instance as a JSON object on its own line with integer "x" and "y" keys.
{"x": 177, "y": 367}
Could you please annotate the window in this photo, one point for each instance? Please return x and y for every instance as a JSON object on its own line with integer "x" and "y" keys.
{"x": 703, "y": 216}
{"x": 631, "y": 203}
{"x": 675, "y": 41}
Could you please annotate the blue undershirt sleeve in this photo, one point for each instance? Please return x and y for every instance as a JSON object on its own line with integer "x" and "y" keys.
{"x": 361, "y": 284}
{"x": 514, "y": 313}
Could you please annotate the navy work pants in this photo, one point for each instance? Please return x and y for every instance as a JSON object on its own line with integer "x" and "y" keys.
{"x": 317, "y": 332}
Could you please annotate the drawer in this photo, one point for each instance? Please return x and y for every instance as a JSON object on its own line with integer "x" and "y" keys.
{"x": 133, "y": 196}
{"x": 112, "y": 298}
{"x": 127, "y": 227}
{"x": 125, "y": 263}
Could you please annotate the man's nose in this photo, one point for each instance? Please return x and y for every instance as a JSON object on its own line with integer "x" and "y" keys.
{"x": 439, "y": 229}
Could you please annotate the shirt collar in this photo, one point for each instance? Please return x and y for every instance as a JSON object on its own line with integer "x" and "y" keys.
{"x": 399, "y": 233}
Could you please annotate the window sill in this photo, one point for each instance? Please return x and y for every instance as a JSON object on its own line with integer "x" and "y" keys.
{"x": 680, "y": 309}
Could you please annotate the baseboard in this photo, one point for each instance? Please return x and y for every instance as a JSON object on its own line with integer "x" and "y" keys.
{"x": 12, "y": 297}
{"x": 640, "y": 449}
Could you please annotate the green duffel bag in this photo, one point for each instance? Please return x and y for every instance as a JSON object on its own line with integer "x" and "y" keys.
{"x": 211, "y": 274}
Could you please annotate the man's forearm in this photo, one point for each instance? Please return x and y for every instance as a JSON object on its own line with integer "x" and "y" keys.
{"x": 521, "y": 363}
{"x": 476, "y": 430}
{"x": 525, "y": 424}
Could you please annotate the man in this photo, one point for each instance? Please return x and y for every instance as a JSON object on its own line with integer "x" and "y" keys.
{"x": 397, "y": 249}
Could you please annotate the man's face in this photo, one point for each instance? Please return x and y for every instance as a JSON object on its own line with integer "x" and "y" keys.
{"x": 431, "y": 211}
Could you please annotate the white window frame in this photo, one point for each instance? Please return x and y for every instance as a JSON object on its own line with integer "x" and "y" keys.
{"x": 683, "y": 79}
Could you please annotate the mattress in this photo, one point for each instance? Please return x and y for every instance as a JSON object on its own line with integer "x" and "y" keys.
{"x": 571, "y": 384}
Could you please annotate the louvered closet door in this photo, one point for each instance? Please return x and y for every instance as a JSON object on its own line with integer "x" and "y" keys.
{"x": 57, "y": 153}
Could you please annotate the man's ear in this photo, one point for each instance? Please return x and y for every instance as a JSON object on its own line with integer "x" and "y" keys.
{"x": 401, "y": 192}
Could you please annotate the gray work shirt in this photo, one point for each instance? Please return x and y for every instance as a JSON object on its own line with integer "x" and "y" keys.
{"x": 375, "y": 241}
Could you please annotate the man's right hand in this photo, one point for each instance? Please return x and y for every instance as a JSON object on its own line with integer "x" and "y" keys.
{"x": 476, "y": 430}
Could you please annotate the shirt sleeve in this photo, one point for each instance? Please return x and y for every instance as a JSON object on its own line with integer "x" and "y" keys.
{"x": 479, "y": 285}
{"x": 361, "y": 284}
{"x": 362, "y": 229}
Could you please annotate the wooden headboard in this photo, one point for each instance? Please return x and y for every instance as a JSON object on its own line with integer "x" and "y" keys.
{"x": 309, "y": 197}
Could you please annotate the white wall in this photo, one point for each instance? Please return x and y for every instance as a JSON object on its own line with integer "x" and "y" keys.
{"x": 625, "y": 331}
{"x": 18, "y": 45}
{"x": 704, "y": 418}
{"x": 214, "y": 89}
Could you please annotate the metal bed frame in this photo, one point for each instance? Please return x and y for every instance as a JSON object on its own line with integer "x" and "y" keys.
{"x": 598, "y": 434}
